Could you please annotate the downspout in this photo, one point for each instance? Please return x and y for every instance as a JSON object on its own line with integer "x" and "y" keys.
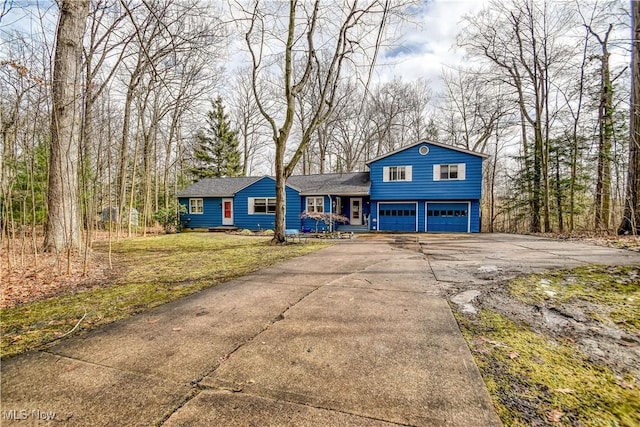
{"x": 330, "y": 216}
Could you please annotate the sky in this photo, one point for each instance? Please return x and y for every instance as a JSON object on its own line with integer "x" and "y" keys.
{"x": 425, "y": 45}
{"x": 430, "y": 44}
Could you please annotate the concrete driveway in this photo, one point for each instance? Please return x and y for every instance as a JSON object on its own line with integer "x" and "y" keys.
{"x": 358, "y": 334}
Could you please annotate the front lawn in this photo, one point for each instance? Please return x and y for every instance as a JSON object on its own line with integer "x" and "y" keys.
{"x": 148, "y": 272}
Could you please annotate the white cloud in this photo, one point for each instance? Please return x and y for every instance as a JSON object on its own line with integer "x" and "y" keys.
{"x": 429, "y": 44}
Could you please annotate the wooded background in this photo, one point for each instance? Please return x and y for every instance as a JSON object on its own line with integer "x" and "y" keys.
{"x": 545, "y": 91}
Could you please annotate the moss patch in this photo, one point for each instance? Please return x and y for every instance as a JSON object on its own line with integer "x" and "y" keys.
{"x": 534, "y": 380}
{"x": 616, "y": 289}
{"x": 153, "y": 271}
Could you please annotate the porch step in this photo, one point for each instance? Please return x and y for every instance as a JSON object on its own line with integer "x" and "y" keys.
{"x": 223, "y": 228}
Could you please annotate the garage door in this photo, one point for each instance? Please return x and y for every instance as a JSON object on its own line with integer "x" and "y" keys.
{"x": 397, "y": 217}
{"x": 448, "y": 217}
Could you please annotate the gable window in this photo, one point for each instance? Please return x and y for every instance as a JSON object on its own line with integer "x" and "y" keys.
{"x": 196, "y": 206}
{"x": 262, "y": 205}
{"x": 396, "y": 173}
{"x": 450, "y": 172}
{"x": 315, "y": 204}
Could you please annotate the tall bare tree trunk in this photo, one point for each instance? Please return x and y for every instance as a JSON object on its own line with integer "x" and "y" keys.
{"x": 605, "y": 136}
{"x": 631, "y": 218}
{"x": 63, "y": 220}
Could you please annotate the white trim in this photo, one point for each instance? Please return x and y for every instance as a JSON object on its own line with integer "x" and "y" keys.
{"x": 251, "y": 207}
{"x": 351, "y": 211}
{"x": 437, "y": 144}
{"x": 191, "y": 212}
{"x": 315, "y": 205}
{"x": 460, "y": 167}
{"x": 227, "y": 221}
{"x": 426, "y": 208}
{"x": 407, "y": 169}
{"x": 394, "y": 203}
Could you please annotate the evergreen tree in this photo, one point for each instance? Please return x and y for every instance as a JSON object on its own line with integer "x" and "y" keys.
{"x": 217, "y": 153}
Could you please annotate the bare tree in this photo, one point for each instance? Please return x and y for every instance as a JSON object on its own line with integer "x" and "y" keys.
{"x": 345, "y": 33}
{"x": 631, "y": 219}
{"x": 63, "y": 221}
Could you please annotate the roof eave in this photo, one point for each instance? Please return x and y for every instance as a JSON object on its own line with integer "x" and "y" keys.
{"x": 424, "y": 141}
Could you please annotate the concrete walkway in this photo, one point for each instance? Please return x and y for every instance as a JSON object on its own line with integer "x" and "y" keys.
{"x": 358, "y": 334}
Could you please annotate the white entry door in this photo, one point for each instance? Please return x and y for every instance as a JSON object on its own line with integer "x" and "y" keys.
{"x": 227, "y": 211}
{"x": 355, "y": 217}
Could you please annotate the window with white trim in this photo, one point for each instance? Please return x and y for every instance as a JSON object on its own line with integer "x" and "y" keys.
{"x": 262, "y": 205}
{"x": 396, "y": 173}
{"x": 196, "y": 206}
{"x": 450, "y": 172}
{"x": 315, "y": 204}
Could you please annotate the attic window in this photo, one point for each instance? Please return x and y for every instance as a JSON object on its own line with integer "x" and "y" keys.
{"x": 424, "y": 150}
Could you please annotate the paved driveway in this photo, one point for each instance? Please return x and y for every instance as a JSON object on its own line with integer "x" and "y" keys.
{"x": 358, "y": 334}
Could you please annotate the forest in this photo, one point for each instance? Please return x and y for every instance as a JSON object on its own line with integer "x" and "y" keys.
{"x": 109, "y": 107}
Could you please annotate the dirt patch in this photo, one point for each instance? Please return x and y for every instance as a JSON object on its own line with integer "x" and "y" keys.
{"x": 560, "y": 348}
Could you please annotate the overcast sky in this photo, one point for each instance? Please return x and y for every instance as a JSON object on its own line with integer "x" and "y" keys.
{"x": 424, "y": 45}
{"x": 428, "y": 45}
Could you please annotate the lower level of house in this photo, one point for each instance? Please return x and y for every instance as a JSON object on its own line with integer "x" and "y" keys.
{"x": 335, "y": 213}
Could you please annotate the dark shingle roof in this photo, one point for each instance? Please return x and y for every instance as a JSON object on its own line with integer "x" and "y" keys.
{"x": 355, "y": 183}
{"x": 218, "y": 187}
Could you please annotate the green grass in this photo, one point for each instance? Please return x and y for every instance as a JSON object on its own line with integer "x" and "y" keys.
{"x": 616, "y": 289}
{"x": 153, "y": 271}
{"x": 533, "y": 379}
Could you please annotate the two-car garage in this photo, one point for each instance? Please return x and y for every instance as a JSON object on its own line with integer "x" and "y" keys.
{"x": 439, "y": 217}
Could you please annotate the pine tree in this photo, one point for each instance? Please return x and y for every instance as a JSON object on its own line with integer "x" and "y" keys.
{"x": 217, "y": 153}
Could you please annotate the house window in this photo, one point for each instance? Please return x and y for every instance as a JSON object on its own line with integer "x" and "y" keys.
{"x": 451, "y": 172}
{"x": 315, "y": 204}
{"x": 263, "y": 205}
{"x": 448, "y": 172}
{"x": 196, "y": 206}
{"x": 396, "y": 173}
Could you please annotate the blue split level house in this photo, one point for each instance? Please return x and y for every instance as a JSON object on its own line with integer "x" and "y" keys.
{"x": 423, "y": 187}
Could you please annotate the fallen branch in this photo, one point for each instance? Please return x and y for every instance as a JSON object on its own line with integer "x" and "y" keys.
{"x": 75, "y": 327}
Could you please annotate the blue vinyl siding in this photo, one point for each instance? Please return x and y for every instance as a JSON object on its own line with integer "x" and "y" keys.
{"x": 265, "y": 187}
{"x": 422, "y": 186}
{"x": 211, "y": 213}
{"x": 413, "y": 195}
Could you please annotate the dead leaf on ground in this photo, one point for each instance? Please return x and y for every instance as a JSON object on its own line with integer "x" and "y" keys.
{"x": 513, "y": 355}
{"x": 554, "y": 416}
{"x": 565, "y": 390}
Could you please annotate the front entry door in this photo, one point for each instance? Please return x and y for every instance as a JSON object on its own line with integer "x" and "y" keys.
{"x": 356, "y": 212}
{"x": 227, "y": 211}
